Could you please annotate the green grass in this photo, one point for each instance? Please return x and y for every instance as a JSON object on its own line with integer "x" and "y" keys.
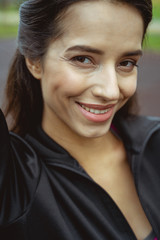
{"x": 8, "y": 23}
{"x": 12, "y": 6}
{"x": 152, "y": 42}
{"x": 8, "y": 31}
{"x": 156, "y": 9}
{"x": 156, "y": 12}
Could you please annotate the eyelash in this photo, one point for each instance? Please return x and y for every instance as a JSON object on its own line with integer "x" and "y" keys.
{"x": 128, "y": 68}
{"x": 132, "y": 62}
{"x": 78, "y": 60}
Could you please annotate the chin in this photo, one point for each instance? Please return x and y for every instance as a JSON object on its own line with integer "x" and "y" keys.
{"x": 95, "y": 133}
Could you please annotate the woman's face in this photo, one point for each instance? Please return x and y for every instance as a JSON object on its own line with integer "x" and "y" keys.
{"x": 90, "y": 71}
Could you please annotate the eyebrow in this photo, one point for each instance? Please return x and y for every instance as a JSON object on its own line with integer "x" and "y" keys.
{"x": 89, "y": 49}
{"x": 84, "y": 48}
{"x": 133, "y": 53}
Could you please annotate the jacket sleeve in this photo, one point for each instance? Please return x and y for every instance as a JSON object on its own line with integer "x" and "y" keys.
{"x": 4, "y": 143}
{"x": 19, "y": 174}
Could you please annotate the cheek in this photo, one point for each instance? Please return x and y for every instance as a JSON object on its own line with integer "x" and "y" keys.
{"x": 128, "y": 87}
{"x": 65, "y": 83}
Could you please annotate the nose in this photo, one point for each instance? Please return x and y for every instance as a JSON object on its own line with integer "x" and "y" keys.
{"x": 106, "y": 84}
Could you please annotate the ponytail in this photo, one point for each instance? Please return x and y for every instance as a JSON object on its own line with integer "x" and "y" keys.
{"x": 23, "y": 97}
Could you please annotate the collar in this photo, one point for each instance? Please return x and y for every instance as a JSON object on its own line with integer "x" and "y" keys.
{"x": 135, "y": 131}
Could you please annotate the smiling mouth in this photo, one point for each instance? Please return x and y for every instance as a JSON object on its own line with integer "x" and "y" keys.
{"x": 95, "y": 112}
{"x": 96, "y": 109}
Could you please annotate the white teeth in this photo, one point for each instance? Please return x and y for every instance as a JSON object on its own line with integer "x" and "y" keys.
{"x": 87, "y": 109}
{"x": 95, "y": 111}
{"x": 92, "y": 110}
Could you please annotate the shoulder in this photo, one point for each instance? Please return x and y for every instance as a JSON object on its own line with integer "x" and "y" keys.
{"x": 22, "y": 149}
{"x": 25, "y": 160}
{"x": 20, "y": 172}
{"x": 14, "y": 147}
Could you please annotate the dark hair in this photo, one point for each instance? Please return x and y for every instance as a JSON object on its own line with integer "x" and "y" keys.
{"x": 38, "y": 25}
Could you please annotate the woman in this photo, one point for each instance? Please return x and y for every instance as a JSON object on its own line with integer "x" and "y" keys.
{"x": 66, "y": 172}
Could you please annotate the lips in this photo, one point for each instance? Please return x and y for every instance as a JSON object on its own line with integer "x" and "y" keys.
{"x": 96, "y": 106}
{"x": 95, "y": 110}
{"x": 96, "y": 113}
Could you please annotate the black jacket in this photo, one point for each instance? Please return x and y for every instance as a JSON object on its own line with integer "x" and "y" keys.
{"x": 46, "y": 195}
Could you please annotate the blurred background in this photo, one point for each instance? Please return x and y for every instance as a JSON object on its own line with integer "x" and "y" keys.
{"x": 149, "y": 66}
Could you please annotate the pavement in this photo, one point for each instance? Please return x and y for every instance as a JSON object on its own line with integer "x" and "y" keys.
{"x": 148, "y": 78}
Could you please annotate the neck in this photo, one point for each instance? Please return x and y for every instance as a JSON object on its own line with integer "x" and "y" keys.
{"x": 83, "y": 149}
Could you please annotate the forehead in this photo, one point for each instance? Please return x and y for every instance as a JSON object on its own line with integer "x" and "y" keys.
{"x": 106, "y": 11}
{"x": 102, "y": 23}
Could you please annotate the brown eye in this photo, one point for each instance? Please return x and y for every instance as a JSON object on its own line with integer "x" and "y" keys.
{"x": 82, "y": 59}
{"x": 127, "y": 65}
{"x": 83, "y": 62}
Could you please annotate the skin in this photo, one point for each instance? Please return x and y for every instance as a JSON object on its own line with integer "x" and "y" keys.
{"x": 93, "y": 62}
{"x": 100, "y": 79}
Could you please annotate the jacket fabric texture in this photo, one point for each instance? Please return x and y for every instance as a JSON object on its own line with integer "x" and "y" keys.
{"x": 46, "y": 195}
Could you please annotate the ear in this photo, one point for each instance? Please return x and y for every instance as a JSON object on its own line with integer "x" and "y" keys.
{"x": 34, "y": 67}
